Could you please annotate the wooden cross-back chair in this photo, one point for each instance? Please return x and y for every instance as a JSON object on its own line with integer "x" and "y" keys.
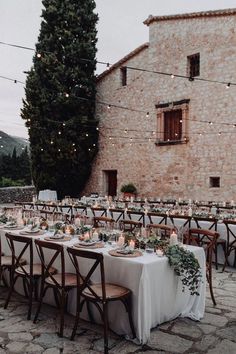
{"x": 208, "y": 240}
{"x": 61, "y": 282}
{"x": 163, "y": 231}
{"x": 29, "y": 273}
{"x": 5, "y": 264}
{"x": 99, "y": 221}
{"x": 100, "y": 294}
{"x": 130, "y": 225}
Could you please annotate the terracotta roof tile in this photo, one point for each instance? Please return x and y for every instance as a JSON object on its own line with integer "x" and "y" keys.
{"x": 123, "y": 60}
{"x": 210, "y": 13}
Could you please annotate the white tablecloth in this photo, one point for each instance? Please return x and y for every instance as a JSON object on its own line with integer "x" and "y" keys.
{"x": 47, "y": 195}
{"x": 157, "y": 291}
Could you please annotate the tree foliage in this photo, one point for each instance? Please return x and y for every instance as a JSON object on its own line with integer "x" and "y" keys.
{"x": 59, "y": 108}
{"x": 15, "y": 169}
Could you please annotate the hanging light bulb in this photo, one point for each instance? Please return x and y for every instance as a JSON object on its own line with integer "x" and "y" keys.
{"x": 211, "y": 123}
{"x": 219, "y": 133}
{"x": 109, "y": 106}
{"x": 172, "y": 76}
{"x": 147, "y": 114}
{"x": 228, "y": 85}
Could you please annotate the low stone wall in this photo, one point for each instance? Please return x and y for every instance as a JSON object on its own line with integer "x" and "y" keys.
{"x": 17, "y": 194}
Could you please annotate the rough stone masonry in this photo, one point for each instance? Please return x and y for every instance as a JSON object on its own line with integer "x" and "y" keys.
{"x": 130, "y": 141}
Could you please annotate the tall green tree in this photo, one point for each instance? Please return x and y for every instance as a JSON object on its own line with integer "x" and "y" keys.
{"x": 59, "y": 108}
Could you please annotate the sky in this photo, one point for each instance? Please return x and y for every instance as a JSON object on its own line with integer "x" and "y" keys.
{"x": 120, "y": 30}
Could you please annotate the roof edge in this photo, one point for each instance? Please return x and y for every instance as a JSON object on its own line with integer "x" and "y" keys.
{"x": 123, "y": 60}
{"x": 210, "y": 13}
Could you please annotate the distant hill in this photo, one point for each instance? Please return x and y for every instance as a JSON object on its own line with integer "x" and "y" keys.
{"x": 8, "y": 143}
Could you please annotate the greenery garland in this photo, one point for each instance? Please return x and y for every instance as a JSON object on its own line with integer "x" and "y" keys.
{"x": 186, "y": 266}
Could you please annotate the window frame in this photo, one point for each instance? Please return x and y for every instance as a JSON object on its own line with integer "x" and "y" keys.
{"x": 212, "y": 180}
{"x": 191, "y": 66}
{"x": 162, "y": 108}
{"x": 123, "y": 76}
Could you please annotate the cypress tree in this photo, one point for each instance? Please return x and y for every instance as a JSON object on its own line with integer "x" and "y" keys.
{"x": 59, "y": 108}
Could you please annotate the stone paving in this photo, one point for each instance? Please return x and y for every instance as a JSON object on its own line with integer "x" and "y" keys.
{"x": 215, "y": 333}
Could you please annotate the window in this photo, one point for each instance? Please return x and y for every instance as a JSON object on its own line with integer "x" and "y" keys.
{"x": 172, "y": 122}
{"x": 194, "y": 65}
{"x": 214, "y": 182}
{"x": 123, "y": 75}
{"x": 173, "y": 125}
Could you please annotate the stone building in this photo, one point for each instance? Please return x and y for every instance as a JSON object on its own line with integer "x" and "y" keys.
{"x": 171, "y": 136}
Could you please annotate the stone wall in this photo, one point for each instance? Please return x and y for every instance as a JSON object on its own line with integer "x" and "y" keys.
{"x": 17, "y": 194}
{"x": 180, "y": 171}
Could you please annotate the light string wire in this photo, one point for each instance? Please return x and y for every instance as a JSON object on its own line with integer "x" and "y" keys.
{"x": 109, "y": 105}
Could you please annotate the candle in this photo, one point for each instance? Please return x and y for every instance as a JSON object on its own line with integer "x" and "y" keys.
{"x": 67, "y": 230}
{"x": 77, "y": 222}
{"x": 95, "y": 235}
{"x": 131, "y": 244}
{"x": 121, "y": 241}
{"x": 173, "y": 239}
{"x": 159, "y": 252}
{"x": 86, "y": 236}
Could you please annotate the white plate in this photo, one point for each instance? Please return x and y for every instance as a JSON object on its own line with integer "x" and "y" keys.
{"x": 32, "y": 231}
{"x": 84, "y": 243}
{"x": 57, "y": 237}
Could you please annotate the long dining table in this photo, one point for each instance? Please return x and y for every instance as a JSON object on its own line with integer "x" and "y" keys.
{"x": 157, "y": 293}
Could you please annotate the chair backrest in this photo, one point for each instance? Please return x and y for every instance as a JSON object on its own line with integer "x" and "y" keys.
{"x": 17, "y": 253}
{"x": 204, "y": 238}
{"x": 58, "y": 254}
{"x": 162, "y": 230}
{"x": 130, "y": 225}
{"x": 101, "y": 220}
{"x": 84, "y": 281}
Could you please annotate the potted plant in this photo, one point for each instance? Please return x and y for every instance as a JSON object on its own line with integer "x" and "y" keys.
{"x": 129, "y": 190}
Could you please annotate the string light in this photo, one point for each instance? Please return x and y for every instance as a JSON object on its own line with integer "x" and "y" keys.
{"x": 38, "y": 55}
{"x": 219, "y": 133}
{"x": 86, "y": 134}
{"x": 109, "y": 106}
{"x": 59, "y": 150}
{"x": 67, "y": 95}
{"x": 228, "y": 85}
{"x": 147, "y": 114}
{"x": 41, "y": 149}
{"x": 211, "y": 123}
{"x": 172, "y": 76}
{"x": 59, "y": 133}
{"x": 64, "y": 124}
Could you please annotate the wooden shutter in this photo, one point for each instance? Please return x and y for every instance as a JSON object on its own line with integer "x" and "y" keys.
{"x": 173, "y": 125}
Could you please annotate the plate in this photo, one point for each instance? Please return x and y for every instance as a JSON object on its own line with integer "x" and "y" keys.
{"x": 57, "y": 237}
{"x": 84, "y": 243}
{"x": 32, "y": 231}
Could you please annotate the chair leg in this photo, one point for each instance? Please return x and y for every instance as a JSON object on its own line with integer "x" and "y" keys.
{"x": 128, "y": 306}
{"x": 12, "y": 283}
{"x": 42, "y": 293}
{"x": 62, "y": 309}
{"x": 31, "y": 289}
{"x": 105, "y": 324}
{"x": 216, "y": 256}
{"x": 209, "y": 278}
{"x": 78, "y": 310}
